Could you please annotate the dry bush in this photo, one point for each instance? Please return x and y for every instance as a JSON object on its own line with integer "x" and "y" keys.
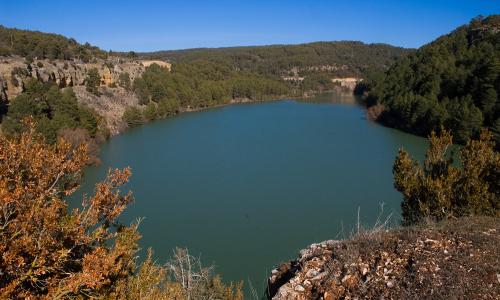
{"x": 80, "y": 136}
{"x": 182, "y": 277}
{"x": 48, "y": 251}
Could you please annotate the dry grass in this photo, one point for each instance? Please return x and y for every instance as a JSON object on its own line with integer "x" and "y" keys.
{"x": 453, "y": 259}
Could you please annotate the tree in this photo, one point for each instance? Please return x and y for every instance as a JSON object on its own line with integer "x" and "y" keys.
{"x": 150, "y": 112}
{"x": 141, "y": 90}
{"x": 124, "y": 80}
{"x": 43, "y": 45}
{"x": 93, "y": 81}
{"x": 496, "y": 131}
{"x": 167, "y": 107}
{"x": 440, "y": 190}
{"x": 49, "y": 251}
{"x": 52, "y": 109}
{"x": 132, "y": 55}
{"x": 133, "y": 116}
{"x": 489, "y": 99}
{"x": 465, "y": 120}
{"x": 452, "y": 81}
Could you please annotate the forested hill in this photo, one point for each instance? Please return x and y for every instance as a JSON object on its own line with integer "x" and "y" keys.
{"x": 452, "y": 82}
{"x": 343, "y": 58}
{"x": 35, "y": 44}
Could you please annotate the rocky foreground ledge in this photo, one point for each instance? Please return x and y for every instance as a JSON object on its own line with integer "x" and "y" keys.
{"x": 458, "y": 259}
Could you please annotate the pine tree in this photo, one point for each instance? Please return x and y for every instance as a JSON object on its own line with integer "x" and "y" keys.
{"x": 93, "y": 81}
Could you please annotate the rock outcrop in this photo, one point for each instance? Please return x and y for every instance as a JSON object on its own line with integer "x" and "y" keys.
{"x": 113, "y": 99}
{"x": 458, "y": 259}
{"x": 14, "y": 71}
{"x": 348, "y": 83}
{"x": 109, "y": 105}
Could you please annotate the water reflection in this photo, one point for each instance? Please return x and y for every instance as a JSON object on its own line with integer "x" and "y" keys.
{"x": 333, "y": 97}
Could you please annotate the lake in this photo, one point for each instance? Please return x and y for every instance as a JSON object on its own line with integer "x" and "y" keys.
{"x": 247, "y": 186}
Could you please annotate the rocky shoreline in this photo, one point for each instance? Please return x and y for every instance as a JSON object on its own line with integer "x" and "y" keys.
{"x": 457, "y": 259}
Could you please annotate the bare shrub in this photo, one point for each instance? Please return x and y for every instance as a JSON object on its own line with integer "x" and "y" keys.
{"x": 80, "y": 136}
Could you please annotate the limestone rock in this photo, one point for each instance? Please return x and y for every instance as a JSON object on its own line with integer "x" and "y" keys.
{"x": 14, "y": 71}
{"x": 398, "y": 264}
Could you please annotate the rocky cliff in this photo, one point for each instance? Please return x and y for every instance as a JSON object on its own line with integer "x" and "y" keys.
{"x": 457, "y": 259}
{"x": 14, "y": 71}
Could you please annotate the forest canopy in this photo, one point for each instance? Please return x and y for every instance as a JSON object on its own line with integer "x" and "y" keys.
{"x": 35, "y": 44}
{"x": 197, "y": 84}
{"x": 452, "y": 82}
{"x": 343, "y": 58}
{"x": 52, "y": 108}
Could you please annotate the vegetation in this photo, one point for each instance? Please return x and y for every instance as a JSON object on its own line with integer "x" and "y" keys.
{"x": 31, "y": 44}
{"x": 209, "y": 77}
{"x": 317, "y": 82}
{"x": 203, "y": 84}
{"x": 52, "y": 108}
{"x": 133, "y": 116}
{"x": 440, "y": 190}
{"x": 338, "y": 58}
{"x": 93, "y": 81}
{"x": 124, "y": 80}
{"x": 195, "y": 85}
{"x": 429, "y": 261}
{"x": 452, "y": 82}
{"x": 51, "y": 252}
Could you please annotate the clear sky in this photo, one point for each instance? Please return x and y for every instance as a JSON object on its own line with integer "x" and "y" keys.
{"x": 159, "y": 25}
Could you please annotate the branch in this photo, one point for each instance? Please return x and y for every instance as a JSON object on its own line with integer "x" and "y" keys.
{"x": 55, "y": 181}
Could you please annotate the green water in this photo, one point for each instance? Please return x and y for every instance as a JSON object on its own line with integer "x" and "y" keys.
{"x": 247, "y": 186}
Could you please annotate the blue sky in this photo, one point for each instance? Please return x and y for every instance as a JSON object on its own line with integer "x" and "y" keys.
{"x": 158, "y": 25}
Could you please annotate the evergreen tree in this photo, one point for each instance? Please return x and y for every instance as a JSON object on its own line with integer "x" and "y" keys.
{"x": 93, "y": 81}
{"x": 453, "y": 81}
{"x": 133, "y": 116}
{"x": 440, "y": 190}
{"x": 124, "y": 80}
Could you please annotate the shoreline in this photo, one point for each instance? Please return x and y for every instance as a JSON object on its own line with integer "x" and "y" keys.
{"x": 237, "y": 101}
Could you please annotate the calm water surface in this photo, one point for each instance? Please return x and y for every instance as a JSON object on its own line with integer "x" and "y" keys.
{"x": 247, "y": 186}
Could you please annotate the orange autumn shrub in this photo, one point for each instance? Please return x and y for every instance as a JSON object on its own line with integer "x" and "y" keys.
{"x": 45, "y": 249}
{"x": 49, "y": 251}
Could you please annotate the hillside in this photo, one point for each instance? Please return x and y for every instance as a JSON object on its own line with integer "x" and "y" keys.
{"x": 35, "y": 44}
{"x": 130, "y": 91}
{"x": 456, "y": 259}
{"x": 452, "y": 82}
{"x": 340, "y": 59}
{"x": 15, "y": 72}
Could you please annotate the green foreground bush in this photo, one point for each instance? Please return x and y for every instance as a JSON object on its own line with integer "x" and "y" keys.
{"x": 440, "y": 190}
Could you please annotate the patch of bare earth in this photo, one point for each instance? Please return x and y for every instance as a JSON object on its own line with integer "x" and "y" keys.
{"x": 457, "y": 259}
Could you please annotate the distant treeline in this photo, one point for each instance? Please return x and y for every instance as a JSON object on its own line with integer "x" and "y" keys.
{"x": 196, "y": 85}
{"x": 35, "y": 44}
{"x": 208, "y": 77}
{"x": 347, "y": 58}
{"x": 452, "y": 82}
